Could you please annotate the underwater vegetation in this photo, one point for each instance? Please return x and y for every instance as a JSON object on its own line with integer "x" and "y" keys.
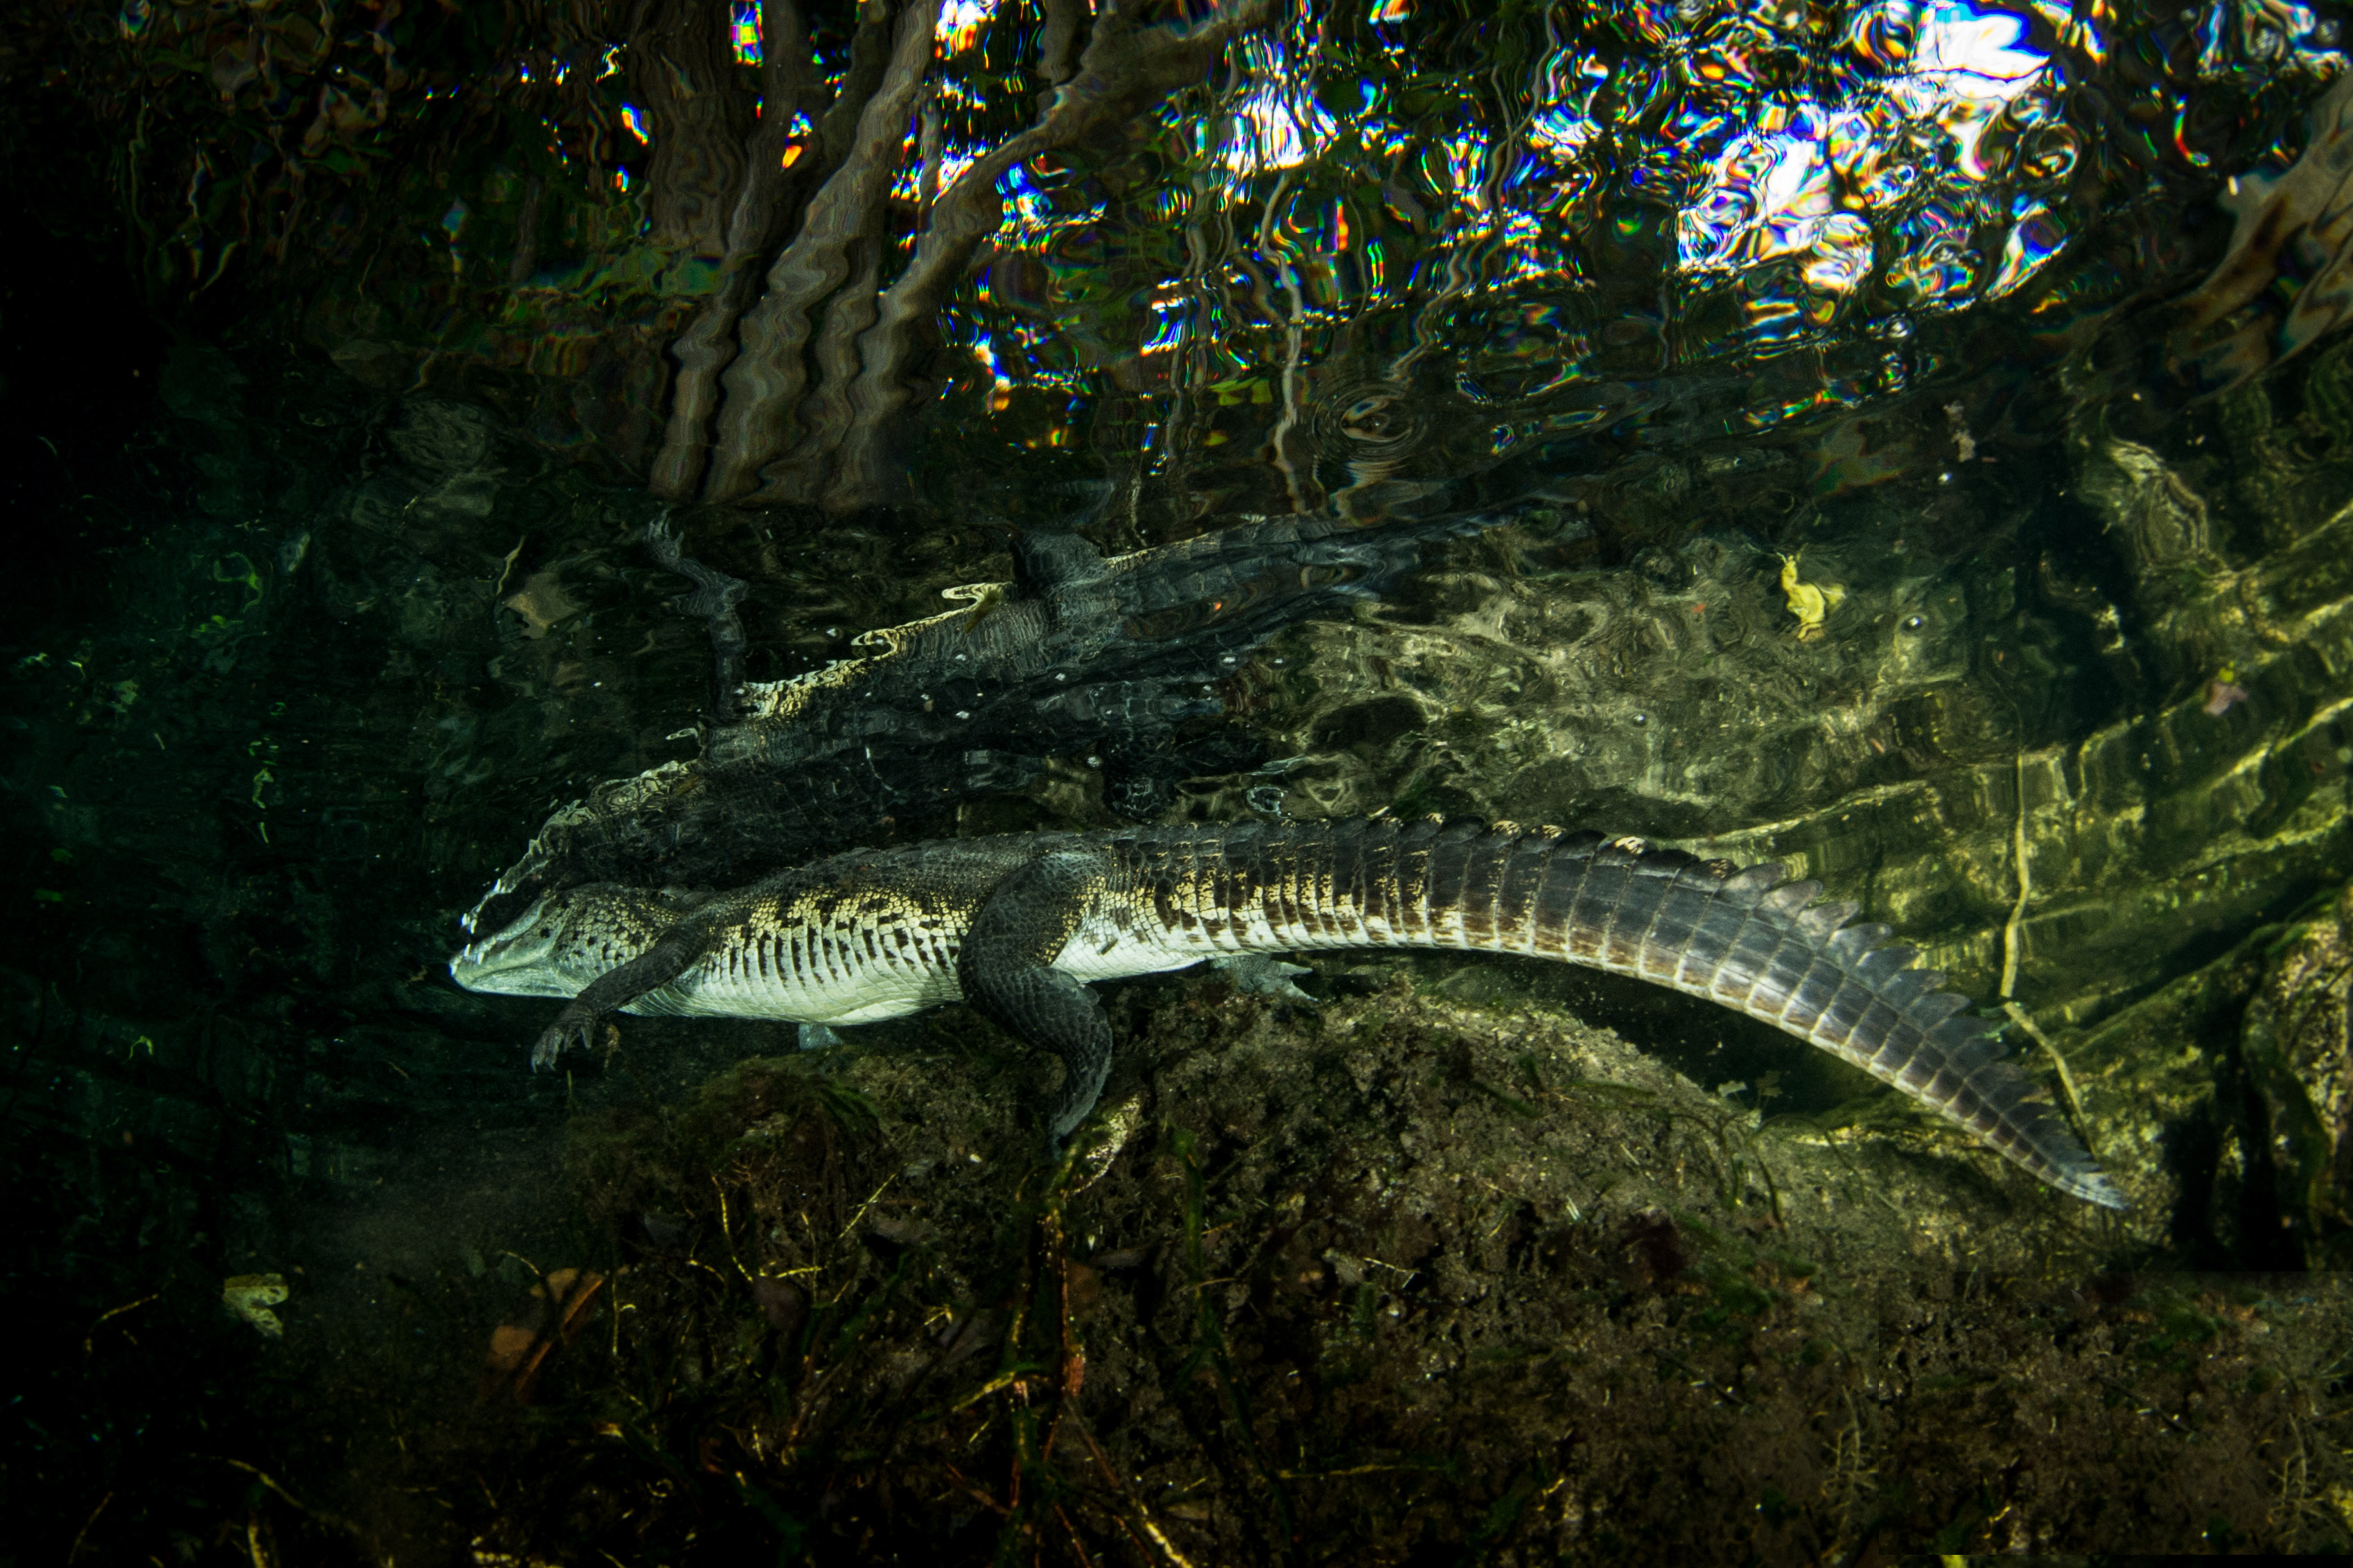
{"x": 1384, "y": 1280}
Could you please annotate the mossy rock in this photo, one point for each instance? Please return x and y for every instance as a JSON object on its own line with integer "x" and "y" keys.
{"x": 1407, "y": 1278}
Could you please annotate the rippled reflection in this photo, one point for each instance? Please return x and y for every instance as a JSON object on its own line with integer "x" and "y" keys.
{"x": 1590, "y": 231}
{"x": 1575, "y": 221}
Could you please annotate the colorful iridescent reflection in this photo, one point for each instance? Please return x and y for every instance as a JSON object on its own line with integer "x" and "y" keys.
{"x": 1672, "y": 216}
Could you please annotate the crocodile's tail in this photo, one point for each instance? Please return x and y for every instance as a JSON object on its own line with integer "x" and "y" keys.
{"x": 1745, "y": 938}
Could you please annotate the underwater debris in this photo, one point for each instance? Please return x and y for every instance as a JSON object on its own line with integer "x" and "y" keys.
{"x": 1810, "y": 602}
{"x": 252, "y": 1297}
{"x": 2224, "y": 692}
{"x": 557, "y": 1310}
{"x": 542, "y": 603}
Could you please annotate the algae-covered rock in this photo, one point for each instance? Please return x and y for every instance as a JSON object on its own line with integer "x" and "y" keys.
{"x": 2159, "y": 1084}
{"x": 1408, "y": 1278}
{"x": 2299, "y": 1056}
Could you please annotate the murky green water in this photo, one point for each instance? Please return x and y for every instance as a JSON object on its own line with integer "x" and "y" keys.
{"x": 1903, "y": 442}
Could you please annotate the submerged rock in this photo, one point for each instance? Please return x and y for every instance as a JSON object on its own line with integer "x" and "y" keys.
{"x": 1402, "y": 1276}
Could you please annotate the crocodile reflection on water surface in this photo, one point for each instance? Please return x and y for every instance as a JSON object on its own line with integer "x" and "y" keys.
{"x": 1116, "y": 660}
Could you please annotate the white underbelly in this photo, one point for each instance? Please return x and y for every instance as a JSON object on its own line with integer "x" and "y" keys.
{"x": 1102, "y": 950}
{"x": 836, "y": 985}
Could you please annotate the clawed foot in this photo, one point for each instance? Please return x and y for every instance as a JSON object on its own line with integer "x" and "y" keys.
{"x": 571, "y": 1025}
{"x": 1263, "y": 974}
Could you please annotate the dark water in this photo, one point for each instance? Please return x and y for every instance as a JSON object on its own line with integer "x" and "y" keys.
{"x": 1903, "y": 442}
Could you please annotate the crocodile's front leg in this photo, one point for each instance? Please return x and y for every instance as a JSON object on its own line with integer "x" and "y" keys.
{"x": 615, "y": 988}
{"x": 1006, "y": 970}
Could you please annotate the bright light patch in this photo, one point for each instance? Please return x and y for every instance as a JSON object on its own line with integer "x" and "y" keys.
{"x": 1000, "y": 388}
{"x": 743, "y": 31}
{"x": 954, "y": 162}
{"x": 2034, "y": 240}
{"x": 1032, "y": 215}
{"x": 641, "y": 124}
{"x": 1795, "y": 178}
{"x": 1277, "y": 125}
{"x": 1979, "y": 51}
{"x": 1771, "y": 195}
{"x": 1171, "y": 329}
{"x": 1968, "y": 66}
{"x": 799, "y": 132}
{"x": 960, "y": 24}
{"x": 1934, "y": 267}
{"x": 1565, "y": 122}
{"x": 1465, "y": 156}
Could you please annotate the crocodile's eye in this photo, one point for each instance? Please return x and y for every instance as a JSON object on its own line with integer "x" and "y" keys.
{"x": 1371, "y": 419}
{"x": 1379, "y": 419}
{"x": 1914, "y": 622}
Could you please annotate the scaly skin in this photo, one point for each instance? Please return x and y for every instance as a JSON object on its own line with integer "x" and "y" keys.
{"x": 1016, "y": 924}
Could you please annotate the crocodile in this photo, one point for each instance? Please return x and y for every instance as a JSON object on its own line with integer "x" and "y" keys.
{"x": 1118, "y": 659}
{"x": 1016, "y": 926}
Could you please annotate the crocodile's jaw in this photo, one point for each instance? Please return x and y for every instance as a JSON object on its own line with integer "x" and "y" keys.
{"x": 525, "y": 959}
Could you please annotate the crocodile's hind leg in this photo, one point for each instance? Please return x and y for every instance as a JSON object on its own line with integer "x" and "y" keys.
{"x": 1006, "y": 970}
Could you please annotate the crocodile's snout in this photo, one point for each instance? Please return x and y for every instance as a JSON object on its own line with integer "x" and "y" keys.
{"x": 521, "y": 959}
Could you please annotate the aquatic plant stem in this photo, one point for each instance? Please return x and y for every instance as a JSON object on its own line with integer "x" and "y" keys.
{"x": 696, "y": 159}
{"x": 1064, "y": 18}
{"x": 825, "y": 414}
{"x": 1294, "y": 348}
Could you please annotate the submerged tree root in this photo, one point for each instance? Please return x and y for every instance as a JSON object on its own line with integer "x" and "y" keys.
{"x": 791, "y": 383}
